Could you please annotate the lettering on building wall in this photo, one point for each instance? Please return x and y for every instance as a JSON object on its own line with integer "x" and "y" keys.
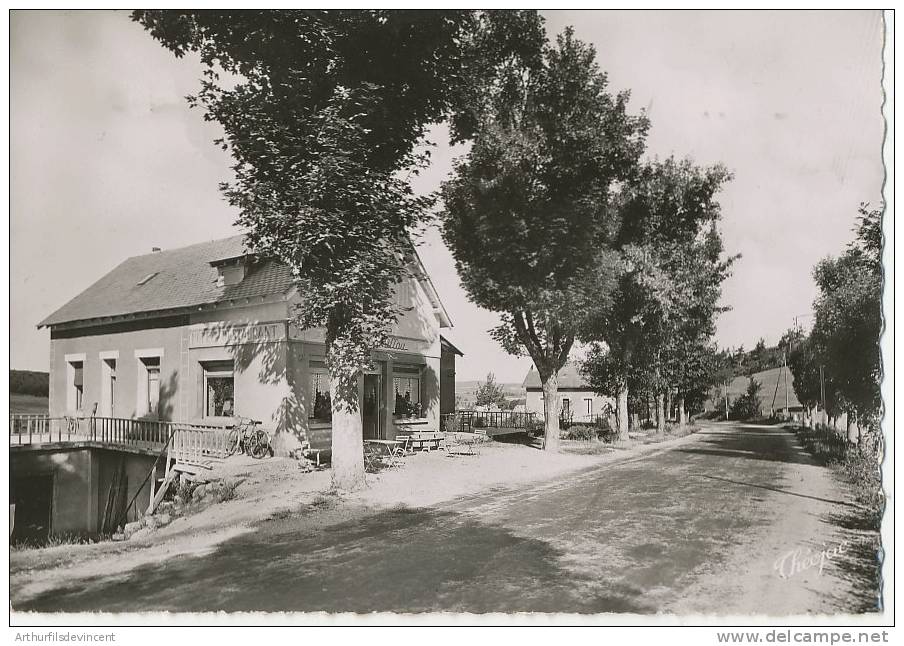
{"x": 395, "y": 343}
{"x": 223, "y": 334}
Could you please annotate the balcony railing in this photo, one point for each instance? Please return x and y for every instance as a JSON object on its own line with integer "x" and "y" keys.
{"x": 190, "y": 442}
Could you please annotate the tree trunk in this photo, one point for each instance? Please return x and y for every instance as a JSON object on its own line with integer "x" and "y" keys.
{"x": 726, "y": 401}
{"x": 668, "y": 405}
{"x": 660, "y": 413}
{"x": 849, "y": 427}
{"x": 551, "y": 412}
{"x": 348, "y": 433}
{"x": 682, "y": 414}
{"x": 621, "y": 413}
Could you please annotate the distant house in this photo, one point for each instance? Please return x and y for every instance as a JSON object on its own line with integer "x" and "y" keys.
{"x": 576, "y": 398}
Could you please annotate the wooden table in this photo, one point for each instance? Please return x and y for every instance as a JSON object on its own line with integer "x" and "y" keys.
{"x": 375, "y": 449}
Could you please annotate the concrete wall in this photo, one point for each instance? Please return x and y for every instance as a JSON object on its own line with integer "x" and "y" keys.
{"x": 81, "y": 483}
{"x": 124, "y": 339}
{"x": 136, "y": 468}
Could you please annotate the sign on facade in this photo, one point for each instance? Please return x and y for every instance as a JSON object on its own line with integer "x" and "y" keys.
{"x": 221, "y": 334}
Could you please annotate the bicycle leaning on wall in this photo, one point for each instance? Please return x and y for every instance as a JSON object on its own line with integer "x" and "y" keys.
{"x": 247, "y": 436}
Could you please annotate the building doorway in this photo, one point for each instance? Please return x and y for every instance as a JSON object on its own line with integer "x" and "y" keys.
{"x": 371, "y": 409}
{"x": 33, "y": 498}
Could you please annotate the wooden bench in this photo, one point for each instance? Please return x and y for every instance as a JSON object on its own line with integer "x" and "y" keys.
{"x": 427, "y": 441}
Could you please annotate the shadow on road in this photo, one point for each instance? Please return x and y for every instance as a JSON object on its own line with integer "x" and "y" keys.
{"x": 777, "y": 490}
{"x": 401, "y": 561}
{"x": 628, "y": 537}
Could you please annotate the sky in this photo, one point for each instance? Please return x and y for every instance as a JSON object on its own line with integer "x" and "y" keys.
{"x": 107, "y": 160}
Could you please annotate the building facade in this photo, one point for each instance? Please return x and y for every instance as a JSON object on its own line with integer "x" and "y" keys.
{"x": 577, "y": 401}
{"x": 203, "y": 333}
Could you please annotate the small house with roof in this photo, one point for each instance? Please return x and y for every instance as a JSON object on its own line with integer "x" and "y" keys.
{"x": 202, "y": 333}
{"x": 577, "y": 400}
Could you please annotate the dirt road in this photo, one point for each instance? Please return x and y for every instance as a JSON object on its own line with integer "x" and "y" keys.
{"x": 726, "y": 523}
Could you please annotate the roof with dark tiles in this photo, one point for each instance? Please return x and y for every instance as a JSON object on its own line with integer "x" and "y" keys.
{"x": 570, "y": 378}
{"x": 172, "y": 279}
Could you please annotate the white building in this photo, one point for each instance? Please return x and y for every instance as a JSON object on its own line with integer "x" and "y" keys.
{"x": 576, "y": 399}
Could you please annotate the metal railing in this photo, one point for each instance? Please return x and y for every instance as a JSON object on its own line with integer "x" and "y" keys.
{"x": 469, "y": 420}
{"x": 190, "y": 442}
{"x": 40, "y": 429}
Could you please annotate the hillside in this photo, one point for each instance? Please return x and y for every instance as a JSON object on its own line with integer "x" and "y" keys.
{"x": 466, "y": 391}
{"x": 29, "y": 382}
{"x": 772, "y": 391}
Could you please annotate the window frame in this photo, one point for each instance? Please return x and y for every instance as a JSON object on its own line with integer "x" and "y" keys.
{"x": 317, "y": 368}
{"x": 151, "y": 369}
{"x": 217, "y": 370}
{"x": 142, "y": 397}
{"x": 75, "y": 395}
{"x": 408, "y": 372}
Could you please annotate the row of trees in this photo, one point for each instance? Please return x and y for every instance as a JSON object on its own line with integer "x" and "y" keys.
{"x": 552, "y": 218}
{"x": 655, "y": 337}
{"x": 556, "y": 223}
{"x": 839, "y": 365}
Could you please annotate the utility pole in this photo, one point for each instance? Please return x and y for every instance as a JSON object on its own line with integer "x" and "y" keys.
{"x": 822, "y": 392}
{"x": 785, "y": 377}
{"x": 727, "y": 384}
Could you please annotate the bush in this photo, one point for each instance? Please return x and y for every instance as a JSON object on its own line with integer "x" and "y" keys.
{"x": 534, "y": 427}
{"x": 585, "y": 432}
{"x": 452, "y": 423}
{"x": 858, "y": 464}
{"x": 747, "y": 406}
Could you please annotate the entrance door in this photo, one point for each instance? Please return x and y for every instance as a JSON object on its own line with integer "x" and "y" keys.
{"x": 371, "y": 408}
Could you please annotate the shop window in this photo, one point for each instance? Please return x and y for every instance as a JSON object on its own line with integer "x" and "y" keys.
{"x": 219, "y": 389}
{"x": 321, "y": 407}
{"x": 406, "y": 383}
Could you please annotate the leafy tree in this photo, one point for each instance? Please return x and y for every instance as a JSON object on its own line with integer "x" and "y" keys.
{"x": 671, "y": 270}
{"x": 527, "y": 214}
{"x": 323, "y": 112}
{"x": 688, "y": 363}
{"x": 490, "y": 393}
{"x": 803, "y": 361}
{"x": 848, "y": 323}
{"x": 748, "y": 405}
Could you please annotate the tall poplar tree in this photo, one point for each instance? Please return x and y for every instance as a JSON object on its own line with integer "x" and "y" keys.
{"x": 527, "y": 214}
